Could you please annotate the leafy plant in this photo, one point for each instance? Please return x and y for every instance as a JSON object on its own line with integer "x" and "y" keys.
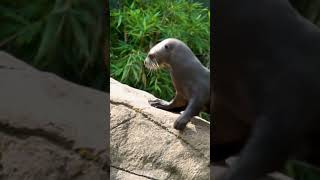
{"x": 302, "y": 171}
{"x": 309, "y": 9}
{"x": 64, "y": 37}
{"x": 136, "y": 25}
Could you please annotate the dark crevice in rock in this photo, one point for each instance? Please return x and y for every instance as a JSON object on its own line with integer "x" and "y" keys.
{"x": 3, "y": 67}
{"x": 123, "y": 122}
{"x": 23, "y": 133}
{"x": 157, "y": 123}
{"x": 141, "y": 175}
{"x": 8, "y": 67}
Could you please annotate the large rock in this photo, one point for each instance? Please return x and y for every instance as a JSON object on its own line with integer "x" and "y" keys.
{"x": 144, "y": 144}
{"x": 50, "y": 128}
{"x": 218, "y": 171}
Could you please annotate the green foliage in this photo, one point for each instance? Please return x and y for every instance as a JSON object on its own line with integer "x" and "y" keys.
{"x": 309, "y": 9}
{"x": 65, "y": 37}
{"x": 302, "y": 171}
{"x": 136, "y": 25}
{"x": 205, "y": 116}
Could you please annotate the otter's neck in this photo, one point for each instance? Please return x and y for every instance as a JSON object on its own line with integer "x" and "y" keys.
{"x": 185, "y": 65}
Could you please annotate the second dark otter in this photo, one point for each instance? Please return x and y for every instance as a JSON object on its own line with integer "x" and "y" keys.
{"x": 190, "y": 78}
{"x": 267, "y": 75}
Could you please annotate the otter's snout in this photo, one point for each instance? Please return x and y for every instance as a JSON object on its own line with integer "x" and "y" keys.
{"x": 151, "y": 56}
{"x": 150, "y": 62}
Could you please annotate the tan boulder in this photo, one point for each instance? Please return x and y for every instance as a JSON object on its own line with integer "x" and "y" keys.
{"x": 50, "y": 128}
{"x": 144, "y": 143}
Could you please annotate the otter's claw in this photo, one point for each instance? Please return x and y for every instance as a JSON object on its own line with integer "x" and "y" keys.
{"x": 157, "y": 103}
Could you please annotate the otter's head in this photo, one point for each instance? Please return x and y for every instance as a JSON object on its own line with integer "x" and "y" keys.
{"x": 160, "y": 55}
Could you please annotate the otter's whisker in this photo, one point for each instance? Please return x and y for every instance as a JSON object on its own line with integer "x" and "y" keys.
{"x": 153, "y": 66}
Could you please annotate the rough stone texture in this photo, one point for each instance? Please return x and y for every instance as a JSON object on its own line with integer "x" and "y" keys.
{"x": 144, "y": 144}
{"x": 217, "y": 171}
{"x": 49, "y": 128}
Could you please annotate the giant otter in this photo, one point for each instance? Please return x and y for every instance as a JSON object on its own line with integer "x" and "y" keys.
{"x": 190, "y": 78}
{"x": 267, "y": 61}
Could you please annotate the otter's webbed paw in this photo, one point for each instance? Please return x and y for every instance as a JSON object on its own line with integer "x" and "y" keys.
{"x": 158, "y": 103}
{"x": 180, "y": 123}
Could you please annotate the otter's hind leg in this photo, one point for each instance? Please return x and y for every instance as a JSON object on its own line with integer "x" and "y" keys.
{"x": 268, "y": 148}
{"x": 177, "y": 104}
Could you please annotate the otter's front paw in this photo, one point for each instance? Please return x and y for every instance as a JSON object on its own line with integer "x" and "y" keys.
{"x": 158, "y": 103}
{"x": 180, "y": 124}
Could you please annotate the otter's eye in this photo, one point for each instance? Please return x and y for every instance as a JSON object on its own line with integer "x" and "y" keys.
{"x": 166, "y": 46}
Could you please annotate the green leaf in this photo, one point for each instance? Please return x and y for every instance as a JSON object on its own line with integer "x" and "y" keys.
{"x": 12, "y": 14}
{"x": 49, "y": 37}
{"x": 119, "y": 21}
{"x": 80, "y": 36}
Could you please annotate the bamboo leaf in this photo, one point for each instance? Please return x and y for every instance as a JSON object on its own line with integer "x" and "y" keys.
{"x": 49, "y": 37}
{"x": 80, "y": 36}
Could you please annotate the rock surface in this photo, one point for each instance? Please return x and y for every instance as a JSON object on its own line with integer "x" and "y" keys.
{"x": 218, "y": 171}
{"x": 144, "y": 144}
{"x": 50, "y": 128}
